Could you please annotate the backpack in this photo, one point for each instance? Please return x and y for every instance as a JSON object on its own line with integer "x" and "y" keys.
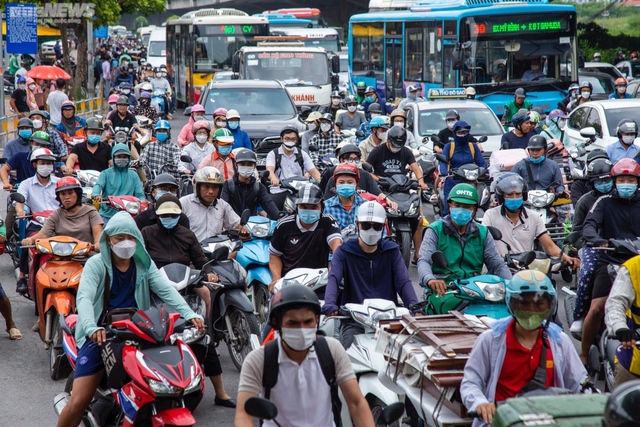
{"x": 231, "y": 187}
{"x": 299, "y": 159}
{"x": 452, "y": 148}
{"x": 271, "y": 368}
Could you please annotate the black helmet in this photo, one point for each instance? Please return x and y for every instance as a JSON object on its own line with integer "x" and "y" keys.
{"x": 291, "y": 297}
{"x": 309, "y": 194}
{"x": 349, "y": 149}
{"x": 245, "y": 155}
{"x": 374, "y": 107}
{"x": 520, "y": 93}
{"x": 598, "y": 153}
{"x": 370, "y": 89}
{"x": 289, "y": 128}
{"x": 511, "y": 182}
{"x": 623, "y": 406}
{"x": 586, "y": 85}
{"x": 520, "y": 117}
{"x": 624, "y": 126}
{"x": 351, "y": 100}
{"x": 397, "y": 136}
{"x": 165, "y": 179}
{"x": 537, "y": 141}
{"x": 452, "y": 114}
{"x": 328, "y": 116}
{"x": 25, "y": 123}
{"x": 93, "y": 123}
{"x": 599, "y": 169}
{"x": 122, "y": 100}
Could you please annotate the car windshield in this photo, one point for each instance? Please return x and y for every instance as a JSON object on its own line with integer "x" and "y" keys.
{"x": 614, "y": 115}
{"x": 295, "y": 67}
{"x": 601, "y": 85}
{"x": 157, "y": 48}
{"x": 482, "y": 121}
{"x": 610, "y": 70}
{"x": 251, "y": 101}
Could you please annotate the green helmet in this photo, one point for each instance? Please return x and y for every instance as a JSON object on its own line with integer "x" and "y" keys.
{"x": 223, "y": 135}
{"x": 362, "y": 85}
{"x": 464, "y": 193}
{"x": 41, "y": 137}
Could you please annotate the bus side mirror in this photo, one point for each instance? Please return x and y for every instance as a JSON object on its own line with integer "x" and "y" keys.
{"x": 458, "y": 57}
{"x": 235, "y": 63}
{"x": 335, "y": 63}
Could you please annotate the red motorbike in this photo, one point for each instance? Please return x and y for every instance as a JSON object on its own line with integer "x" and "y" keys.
{"x": 130, "y": 204}
{"x": 154, "y": 377}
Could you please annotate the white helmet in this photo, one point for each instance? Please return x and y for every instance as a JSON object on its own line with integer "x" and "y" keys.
{"x": 147, "y": 87}
{"x": 371, "y": 211}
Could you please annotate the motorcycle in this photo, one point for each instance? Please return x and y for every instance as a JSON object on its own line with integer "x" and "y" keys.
{"x": 158, "y": 99}
{"x": 20, "y": 228}
{"x": 292, "y": 185}
{"x": 314, "y": 278}
{"x": 155, "y": 379}
{"x": 87, "y": 178}
{"x": 424, "y": 157}
{"x": 130, "y": 204}
{"x": 550, "y": 208}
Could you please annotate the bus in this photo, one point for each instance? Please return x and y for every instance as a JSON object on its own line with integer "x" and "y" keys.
{"x": 286, "y": 20}
{"x": 203, "y": 42}
{"x": 310, "y": 13}
{"x": 326, "y": 38}
{"x": 489, "y": 45}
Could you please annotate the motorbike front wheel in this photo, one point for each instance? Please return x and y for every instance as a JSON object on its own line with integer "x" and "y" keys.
{"x": 58, "y": 364}
{"x": 261, "y": 303}
{"x": 243, "y": 324}
{"x": 377, "y": 406}
{"x": 403, "y": 239}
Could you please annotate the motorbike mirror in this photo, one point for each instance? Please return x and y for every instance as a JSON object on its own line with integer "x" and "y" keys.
{"x": 495, "y": 233}
{"x": 439, "y": 260}
{"x": 391, "y": 413}
{"x": 441, "y": 158}
{"x": 313, "y": 147}
{"x": 186, "y": 159}
{"x": 434, "y": 138}
{"x": 359, "y": 134}
{"x": 17, "y": 197}
{"x": 244, "y": 218}
{"x": 261, "y": 408}
{"x": 483, "y": 138}
{"x": 367, "y": 167}
{"x": 187, "y": 111}
{"x": 529, "y": 258}
{"x": 221, "y": 252}
{"x": 550, "y": 146}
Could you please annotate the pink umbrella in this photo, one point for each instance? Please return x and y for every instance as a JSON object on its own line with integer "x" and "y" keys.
{"x": 48, "y": 72}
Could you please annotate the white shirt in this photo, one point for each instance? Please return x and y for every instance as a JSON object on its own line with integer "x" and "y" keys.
{"x": 37, "y": 196}
{"x": 289, "y": 167}
{"x": 197, "y": 155}
{"x": 54, "y": 101}
{"x": 208, "y": 221}
{"x": 519, "y": 236}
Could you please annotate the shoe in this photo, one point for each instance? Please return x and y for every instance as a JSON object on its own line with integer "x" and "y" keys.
{"x": 169, "y": 117}
{"x": 22, "y": 287}
{"x": 228, "y": 403}
{"x": 36, "y": 327}
{"x": 576, "y": 326}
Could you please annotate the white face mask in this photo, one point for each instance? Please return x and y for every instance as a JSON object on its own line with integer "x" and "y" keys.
{"x": 382, "y": 136}
{"x": 45, "y": 170}
{"x": 562, "y": 123}
{"x": 375, "y": 115}
{"x": 289, "y": 145}
{"x": 158, "y": 75}
{"x": 37, "y": 124}
{"x": 325, "y": 127}
{"x": 394, "y": 149}
{"x": 627, "y": 139}
{"x": 32, "y": 87}
{"x": 23, "y": 87}
{"x": 201, "y": 138}
{"x": 586, "y": 94}
{"x": 221, "y": 124}
{"x": 246, "y": 171}
{"x": 312, "y": 126}
{"x": 399, "y": 124}
{"x": 335, "y": 101}
{"x": 535, "y": 67}
{"x": 450, "y": 123}
{"x": 124, "y": 249}
{"x": 299, "y": 339}
{"x": 622, "y": 89}
{"x": 370, "y": 237}
{"x": 352, "y": 108}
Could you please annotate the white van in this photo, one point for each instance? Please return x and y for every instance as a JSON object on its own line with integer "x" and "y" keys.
{"x": 157, "y": 48}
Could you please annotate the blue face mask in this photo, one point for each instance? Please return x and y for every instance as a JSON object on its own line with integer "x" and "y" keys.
{"x": 626, "y": 190}
{"x": 161, "y": 136}
{"x": 603, "y": 186}
{"x": 309, "y": 216}
{"x": 93, "y": 139}
{"x": 25, "y": 134}
{"x": 538, "y": 160}
{"x": 233, "y": 125}
{"x": 513, "y": 204}
{"x": 160, "y": 193}
{"x": 461, "y": 216}
{"x": 169, "y": 223}
{"x": 224, "y": 150}
{"x": 346, "y": 190}
{"x": 368, "y": 99}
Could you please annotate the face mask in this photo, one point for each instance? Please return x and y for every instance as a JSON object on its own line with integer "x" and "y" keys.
{"x": 461, "y": 216}
{"x": 158, "y": 75}
{"x": 626, "y": 190}
{"x": 164, "y": 74}
{"x": 201, "y": 138}
{"x": 513, "y": 204}
{"x": 346, "y": 190}
{"x": 535, "y": 67}
{"x": 309, "y": 216}
{"x": 622, "y": 90}
{"x": 562, "y": 123}
{"x": 538, "y": 160}
{"x": 394, "y": 149}
{"x": 357, "y": 163}
{"x": 312, "y": 126}
{"x": 113, "y": 107}
{"x": 221, "y": 123}
{"x": 224, "y": 150}
{"x": 325, "y": 127}
{"x": 162, "y": 136}
{"x": 126, "y": 91}
{"x": 352, "y": 108}
{"x": 37, "y": 124}
{"x": 299, "y": 339}
{"x": 382, "y": 136}
{"x": 603, "y": 186}
{"x": 585, "y": 94}
{"x": 368, "y": 99}
{"x": 399, "y": 124}
{"x": 246, "y": 171}
{"x": 450, "y": 123}
{"x": 25, "y": 134}
{"x": 628, "y": 139}
{"x": 234, "y": 125}
{"x": 574, "y": 95}
{"x": 124, "y": 249}
{"x": 160, "y": 193}
{"x": 289, "y": 145}
{"x": 370, "y": 237}
{"x": 530, "y": 320}
{"x": 335, "y": 101}
{"x": 23, "y": 87}
{"x": 45, "y": 170}
{"x": 169, "y": 223}
{"x": 32, "y": 87}
{"x": 121, "y": 163}
{"x": 93, "y": 139}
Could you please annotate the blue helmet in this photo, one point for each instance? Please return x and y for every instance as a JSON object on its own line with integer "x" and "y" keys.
{"x": 163, "y": 124}
{"x": 378, "y": 122}
{"x": 125, "y": 85}
{"x": 531, "y": 282}
{"x": 145, "y": 95}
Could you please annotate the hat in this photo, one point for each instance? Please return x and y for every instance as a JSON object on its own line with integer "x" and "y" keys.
{"x": 21, "y": 79}
{"x": 168, "y": 204}
{"x": 223, "y": 136}
{"x": 233, "y": 114}
{"x": 313, "y": 116}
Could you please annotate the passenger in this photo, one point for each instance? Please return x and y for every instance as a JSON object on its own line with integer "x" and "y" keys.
{"x": 240, "y": 138}
{"x": 351, "y": 154}
{"x": 222, "y": 158}
{"x": 586, "y": 89}
{"x": 344, "y": 206}
{"x": 379, "y": 127}
{"x": 161, "y": 154}
{"x": 313, "y": 127}
{"x": 161, "y": 185}
{"x": 40, "y": 120}
{"x": 414, "y": 94}
{"x": 70, "y": 124}
{"x": 522, "y": 132}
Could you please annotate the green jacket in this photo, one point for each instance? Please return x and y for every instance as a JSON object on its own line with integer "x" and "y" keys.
{"x": 510, "y": 108}
{"x": 148, "y": 278}
{"x": 466, "y": 257}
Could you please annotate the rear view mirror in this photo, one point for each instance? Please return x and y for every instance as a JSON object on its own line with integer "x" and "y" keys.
{"x": 359, "y": 134}
{"x": 245, "y": 216}
{"x": 313, "y": 147}
{"x": 261, "y": 408}
{"x": 221, "y": 252}
{"x": 588, "y": 132}
{"x": 235, "y": 63}
{"x": 391, "y": 414}
{"x": 186, "y": 159}
{"x": 483, "y": 138}
{"x": 187, "y": 111}
{"x": 550, "y": 146}
{"x": 335, "y": 63}
{"x": 17, "y": 197}
{"x": 439, "y": 260}
{"x": 367, "y": 167}
{"x": 495, "y": 233}
{"x": 529, "y": 258}
{"x": 441, "y": 158}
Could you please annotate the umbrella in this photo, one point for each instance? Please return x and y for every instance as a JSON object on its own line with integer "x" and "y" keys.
{"x": 48, "y": 72}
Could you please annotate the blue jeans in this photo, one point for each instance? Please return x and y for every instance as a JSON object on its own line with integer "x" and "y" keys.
{"x": 589, "y": 260}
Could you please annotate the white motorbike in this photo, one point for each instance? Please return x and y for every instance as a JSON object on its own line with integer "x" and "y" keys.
{"x": 314, "y": 278}
{"x": 87, "y": 178}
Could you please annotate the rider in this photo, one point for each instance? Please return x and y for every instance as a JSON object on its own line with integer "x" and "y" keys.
{"x": 122, "y": 78}
{"x": 221, "y": 158}
{"x": 446, "y": 135}
{"x": 399, "y": 118}
{"x": 621, "y": 89}
{"x": 573, "y": 94}
{"x": 161, "y": 154}
{"x": 295, "y": 314}
{"x": 305, "y": 238}
{"x": 144, "y": 108}
{"x": 350, "y": 153}
{"x": 371, "y": 97}
{"x": 126, "y": 91}
{"x": 94, "y": 153}
{"x": 582, "y": 186}
{"x": 521, "y": 133}
{"x": 466, "y": 244}
{"x": 624, "y": 147}
{"x": 244, "y": 191}
{"x": 539, "y": 172}
{"x": 365, "y": 128}
{"x": 21, "y": 162}
{"x": 161, "y": 185}
{"x": 597, "y": 57}
{"x": 360, "y": 88}
{"x": 121, "y": 118}
{"x": 70, "y": 124}
{"x": 133, "y": 276}
{"x": 40, "y": 123}
{"x": 118, "y": 180}
{"x": 555, "y": 125}
{"x": 313, "y": 127}
{"x": 219, "y": 119}
{"x": 523, "y": 353}
{"x": 335, "y": 106}
{"x": 22, "y": 142}
{"x": 614, "y": 216}
{"x": 351, "y": 119}
{"x": 586, "y": 89}
{"x": 327, "y": 139}
{"x": 240, "y": 137}
{"x": 379, "y": 127}
{"x": 358, "y": 264}
{"x": 344, "y": 206}
{"x": 186, "y": 134}
{"x": 159, "y": 82}
{"x": 199, "y": 148}
{"x": 512, "y": 107}
{"x": 414, "y": 94}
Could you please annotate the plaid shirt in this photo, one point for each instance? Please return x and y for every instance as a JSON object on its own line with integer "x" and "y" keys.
{"x": 58, "y": 146}
{"x": 149, "y": 112}
{"x": 346, "y": 218}
{"x": 326, "y": 145}
{"x": 157, "y": 154}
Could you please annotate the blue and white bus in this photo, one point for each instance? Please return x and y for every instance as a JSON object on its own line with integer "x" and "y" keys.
{"x": 487, "y": 44}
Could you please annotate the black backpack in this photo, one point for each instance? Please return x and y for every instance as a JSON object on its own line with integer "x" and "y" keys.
{"x": 271, "y": 368}
{"x": 299, "y": 159}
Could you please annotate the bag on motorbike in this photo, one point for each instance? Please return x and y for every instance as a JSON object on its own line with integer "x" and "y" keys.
{"x": 271, "y": 368}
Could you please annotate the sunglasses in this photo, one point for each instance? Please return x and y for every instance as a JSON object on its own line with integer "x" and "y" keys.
{"x": 367, "y": 225}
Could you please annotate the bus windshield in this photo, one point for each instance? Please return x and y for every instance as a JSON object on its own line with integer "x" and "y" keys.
{"x": 214, "y": 51}
{"x": 303, "y": 67}
{"x": 157, "y": 48}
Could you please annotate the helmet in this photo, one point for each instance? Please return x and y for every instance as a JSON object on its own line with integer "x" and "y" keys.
{"x": 350, "y": 100}
{"x": 624, "y": 126}
{"x": 622, "y": 409}
{"x": 220, "y": 112}
{"x": 573, "y": 86}
{"x": 223, "y": 135}
{"x": 93, "y": 123}
{"x": 634, "y": 55}
{"x": 586, "y": 85}
{"x": 452, "y": 114}
{"x": 520, "y": 117}
{"x": 511, "y": 182}
{"x": 531, "y": 282}
{"x": 315, "y": 115}
{"x": 201, "y": 124}
{"x": 69, "y": 183}
{"x": 198, "y": 108}
{"x": 288, "y": 129}
{"x": 25, "y": 123}
{"x": 41, "y": 137}
{"x": 327, "y": 116}
{"x": 597, "y": 55}
{"x": 374, "y": 107}
{"x": 598, "y": 153}
{"x": 621, "y": 81}
{"x": 361, "y": 85}
{"x": 36, "y": 113}
{"x": 165, "y": 179}
{"x": 398, "y": 113}
{"x": 292, "y": 296}
{"x": 370, "y": 89}
{"x": 42, "y": 154}
{"x": 628, "y": 167}
{"x": 534, "y": 116}
{"x": 378, "y": 122}
{"x": 70, "y": 104}
{"x": 208, "y": 175}
{"x": 309, "y": 194}
{"x": 471, "y": 92}
{"x": 233, "y": 114}
{"x": 599, "y": 169}
{"x": 125, "y": 85}
{"x": 621, "y": 52}
{"x": 520, "y": 93}
{"x": 113, "y": 98}
{"x": 122, "y": 100}
{"x": 464, "y": 193}
{"x": 536, "y": 142}
{"x": 349, "y": 149}
{"x": 336, "y": 94}
{"x": 461, "y": 125}
{"x": 245, "y": 155}
{"x": 557, "y": 114}
{"x": 163, "y": 124}
{"x": 346, "y": 169}
{"x": 397, "y": 136}
{"x": 371, "y": 211}
{"x": 144, "y": 95}
{"x": 147, "y": 87}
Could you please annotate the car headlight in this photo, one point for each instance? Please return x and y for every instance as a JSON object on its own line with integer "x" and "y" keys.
{"x": 492, "y": 291}
{"x": 162, "y": 387}
{"x": 62, "y": 248}
{"x": 194, "y": 385}
{"x": 471, "y": 175}
{"x": 132, "y": 207}
{"x": 260, "y": 231}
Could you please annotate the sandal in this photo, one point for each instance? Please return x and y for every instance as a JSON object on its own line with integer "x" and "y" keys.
{"x": 14, "y": 334}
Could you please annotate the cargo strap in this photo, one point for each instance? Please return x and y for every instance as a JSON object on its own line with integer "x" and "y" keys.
{"x": 539, "y": 380}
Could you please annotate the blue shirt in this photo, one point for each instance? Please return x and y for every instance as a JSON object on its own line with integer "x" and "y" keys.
{"x": 21, "y": 164}
{"x": 615, "y": 95}
{"x": 616, "y": 151}
{"x": 15, "y": 146}
{"x": 123, "y": 286}
{"x": 346, "y": 218}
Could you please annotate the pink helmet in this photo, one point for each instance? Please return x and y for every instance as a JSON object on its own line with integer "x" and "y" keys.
{"x": 198, "y": 108}
{"x": 112, "y": 99}
{"x": 220, "y": 112}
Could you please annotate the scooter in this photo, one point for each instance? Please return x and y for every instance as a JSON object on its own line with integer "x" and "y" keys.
{"x": 130, "y": 204}
{"x": 158, "y": 101}
{"x": 314, "y": 278}
{"x": 292, "y": 185}
{"x": 552, "y": 211}
{"x": 155, "y": 378}
{"x": 87, "y": 178}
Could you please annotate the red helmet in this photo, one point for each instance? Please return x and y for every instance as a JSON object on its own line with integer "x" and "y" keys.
{"x": 67, "y": 183}
{"x": 626, "y": 167}
{"x": 621, "y": 81}
{"x": 201, "y": 124}
{"x": 346, "y": 169}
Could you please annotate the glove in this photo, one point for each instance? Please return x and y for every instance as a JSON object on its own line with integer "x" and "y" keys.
{"x": 625, "y": 334}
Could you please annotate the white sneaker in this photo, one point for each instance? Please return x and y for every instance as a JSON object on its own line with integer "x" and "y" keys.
{"x": 576, "y": 326}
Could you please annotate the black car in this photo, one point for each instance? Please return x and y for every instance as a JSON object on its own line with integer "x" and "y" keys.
{"x": 265, "y": 108}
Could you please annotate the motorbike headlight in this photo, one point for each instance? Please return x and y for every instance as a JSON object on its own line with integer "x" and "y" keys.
{"x": 62, "y": 248}
{"x": 120, "y": 137}
{"x": 363, "y": 318}
{"x": 381, "y": 315}
{"x": 471, "y": 175}
{"x": 539, "y": 201}
{"x": 260, "y": 231}
{"x": 92, "y": 181}
{"x": 289, "y": 206}
{"x": 392, "y": 211}
{"x": 413, "y": 210}
{"x": 194, "y": 385}
{"x": 492, "y": 291}
{"x": 82, "y": 252}
{"x": 162, "y": 387}
{"x": 132, "y": 207}
{"x": 43, "y": 249}
{"x": 187, "y": 336}
{"x": 577, "y": 173}
{"x": 41, "y": 219}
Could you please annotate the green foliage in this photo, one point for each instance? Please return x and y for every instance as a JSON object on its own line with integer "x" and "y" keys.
{"x": 141, "y": 21}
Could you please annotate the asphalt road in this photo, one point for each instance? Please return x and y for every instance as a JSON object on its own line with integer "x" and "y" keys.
{"x": 27, "y": 389}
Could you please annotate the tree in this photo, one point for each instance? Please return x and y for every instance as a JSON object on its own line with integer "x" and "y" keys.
{"x": 141, "y": 21}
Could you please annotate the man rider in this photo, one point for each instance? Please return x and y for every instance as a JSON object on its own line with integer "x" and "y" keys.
{"x": 413, "y": 95}
{"x": 624, "y": 147}
{"x": 40, "y": 123}
{"x": 123, "y": 77}
{"x": 22, "y": 142}
{"x": 336, "y": 105}
{"x": 466, "y": 244}
{"x": 121, "y": 118}
{"x": 573, "y": 94}
{"x": 161, "y": 185}
{"x": 126, "y": 91}
{"x": 597, "y": 57}
{"x": 621, "y": 89}
{"x": 537, "y": 171}
{"x": 379, "y": 127}
{"x": 351, "y": 119}
{"x": 446, "y": 135}
{"x": 521, "y": 133}
{"x": 365, "y": 128}
{"x": 20, "y": 162}
{"x": 512, "y": 107}
{"x": 350, "y": 153}
{"x": 94, "y": 153}
{"x": 586, "y": 89}
{"x": 360, "y": 88}
{"x": 371, "y": 97}
{"x": 161, "y": 152}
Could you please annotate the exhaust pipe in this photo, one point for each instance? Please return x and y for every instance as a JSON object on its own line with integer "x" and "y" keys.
{"x": 60, "y": 401}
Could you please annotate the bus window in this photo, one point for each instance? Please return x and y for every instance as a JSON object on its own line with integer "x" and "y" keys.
{"x": 449, "y": 72}
{"x": 368, "y": 49}
{"x": 433, "y": 52}
{"x": 414, "y": 48}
